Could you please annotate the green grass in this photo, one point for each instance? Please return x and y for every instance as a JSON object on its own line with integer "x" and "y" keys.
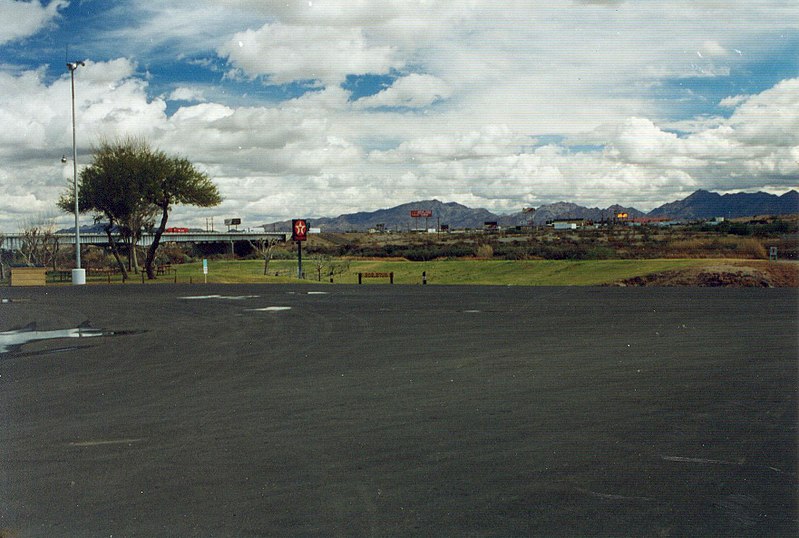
{"x": 477, "y": 272}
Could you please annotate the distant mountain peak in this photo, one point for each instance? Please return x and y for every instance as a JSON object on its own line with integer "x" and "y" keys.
{"x": 704, "y": 204}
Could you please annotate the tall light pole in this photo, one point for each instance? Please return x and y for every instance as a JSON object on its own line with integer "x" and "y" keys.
{"x": 78, "y": 275}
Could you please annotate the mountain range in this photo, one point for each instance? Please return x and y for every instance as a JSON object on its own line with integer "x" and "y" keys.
{"x": 704, "y": 204}
{"x": 699, "y": 205}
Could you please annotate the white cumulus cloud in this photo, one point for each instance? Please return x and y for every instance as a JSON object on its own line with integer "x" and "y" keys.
{"x": 287, "y": 53}
{"x": 187, "y": 94}
{"x": 24, "y": 19}
{"x": 412, "y": 91}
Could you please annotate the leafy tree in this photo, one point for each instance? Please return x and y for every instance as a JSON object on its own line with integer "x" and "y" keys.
{"x": 111, "y": 187}
{"x": 128, "y": 184}
{"x": 172, "y": 181}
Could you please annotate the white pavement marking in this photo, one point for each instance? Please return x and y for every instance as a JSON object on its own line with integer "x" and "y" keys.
{"x": 270, "y": 309}
{"x": 717, "y": 462}
{"x": 613, "y": 497}
{"x": 228, "y": 297}
{"x": 102, "y": 442}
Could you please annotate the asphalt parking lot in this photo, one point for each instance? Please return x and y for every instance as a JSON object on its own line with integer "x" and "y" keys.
{"x": 172, "y": 410}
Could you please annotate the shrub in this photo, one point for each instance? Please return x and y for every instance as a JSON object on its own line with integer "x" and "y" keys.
{"x": 173, "y": 253}
{"x": 600, "y": 253}
{"x": 96, "y": 257}
{"x": 485, "y": 251}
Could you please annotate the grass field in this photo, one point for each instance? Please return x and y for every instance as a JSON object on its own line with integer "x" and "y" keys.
{"x": 478, "y": 272}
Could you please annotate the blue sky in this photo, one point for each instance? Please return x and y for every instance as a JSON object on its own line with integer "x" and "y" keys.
{"x": 322, "y": 107}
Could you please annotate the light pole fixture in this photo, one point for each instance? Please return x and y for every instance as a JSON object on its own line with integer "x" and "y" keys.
{"x": 78, "y": 275}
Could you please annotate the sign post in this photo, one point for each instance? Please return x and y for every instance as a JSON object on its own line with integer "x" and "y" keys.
{"x": 299, "y": 233}
{"x": 205, "y": 270}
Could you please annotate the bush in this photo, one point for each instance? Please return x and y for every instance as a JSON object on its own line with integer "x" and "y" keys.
{"x": 173, "y": 254}
{"x": 601, "y": 253}
{"x": 485, "y": 251}
{"x": 96, "y": 257}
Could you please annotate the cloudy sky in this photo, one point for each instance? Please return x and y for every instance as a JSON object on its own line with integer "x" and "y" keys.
{"x": 306, "y": 108}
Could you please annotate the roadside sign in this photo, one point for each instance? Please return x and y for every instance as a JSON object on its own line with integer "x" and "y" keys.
{"x": 299, "y": 230}
{"x": 299, "y": 233}
{"x": 205, "y": 267}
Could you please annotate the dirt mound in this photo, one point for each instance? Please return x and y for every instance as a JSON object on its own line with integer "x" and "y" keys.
{"x": 738, "y": 275}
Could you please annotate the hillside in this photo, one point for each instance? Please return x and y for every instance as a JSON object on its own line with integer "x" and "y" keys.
{"x": 704, "y": 205}
{"x": 701, "y": 204}
{"x": 456, "y": 216}
{"x": 565, "y": 210}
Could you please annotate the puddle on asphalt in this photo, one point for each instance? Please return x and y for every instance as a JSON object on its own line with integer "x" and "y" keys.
{"x": 12, "y": 340}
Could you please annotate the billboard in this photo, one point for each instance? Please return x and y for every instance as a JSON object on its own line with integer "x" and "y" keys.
{"x": 421, "y": 213}
{"x": 299, "y": 230}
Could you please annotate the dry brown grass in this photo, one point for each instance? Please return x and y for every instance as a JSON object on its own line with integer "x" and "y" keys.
{"x": 751, "y": 248}
{"x": 717, "y": 247}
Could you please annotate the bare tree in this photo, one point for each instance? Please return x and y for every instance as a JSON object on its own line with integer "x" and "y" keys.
{"x": 338, "y": 267}
{"x": 40, "y": 244}
{"x": 319, "y": 261}
{"x": 264, "y": 248}
{"x": 2, "y": 267}
{"x": 326, "y": 265}
{"x": 50, "y": 248}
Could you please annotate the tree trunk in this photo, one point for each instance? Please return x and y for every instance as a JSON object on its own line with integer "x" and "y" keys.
{"x": 148, "y": 262}
{"x": 267, "y": 256}
{"x": 126, "y": 240}
{"x": 115, "y": 251}
{"x": 134, "y": 255}
{"x": 55, "y": 253}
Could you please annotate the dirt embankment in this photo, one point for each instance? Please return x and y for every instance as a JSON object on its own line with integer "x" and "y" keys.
{"x": 731, "y": 274}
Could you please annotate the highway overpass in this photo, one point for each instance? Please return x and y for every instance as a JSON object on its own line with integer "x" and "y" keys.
{"x": 15, "y": 241}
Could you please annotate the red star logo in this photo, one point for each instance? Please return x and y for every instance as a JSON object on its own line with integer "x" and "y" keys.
{"x": 300, "y": 228}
